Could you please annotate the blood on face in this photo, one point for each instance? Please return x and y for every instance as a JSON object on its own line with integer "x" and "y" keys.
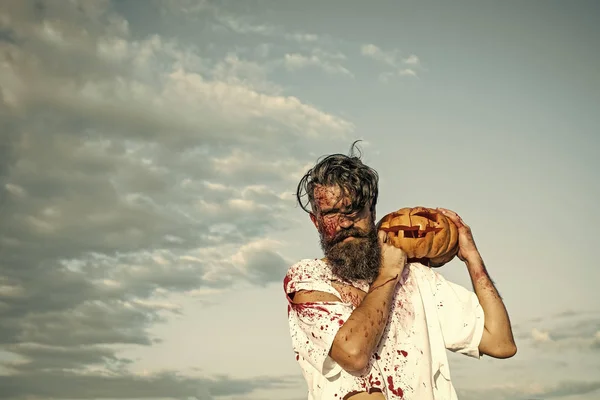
{"x": 331, "y": 205}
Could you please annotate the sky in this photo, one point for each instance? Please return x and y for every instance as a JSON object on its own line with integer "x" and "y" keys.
{"x": 149, "y": 157}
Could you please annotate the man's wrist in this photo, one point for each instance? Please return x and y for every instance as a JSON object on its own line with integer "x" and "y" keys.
{"x": 383, "y": 280}
{"x": 475, "y": 265}
{"x": 473, "y": 260}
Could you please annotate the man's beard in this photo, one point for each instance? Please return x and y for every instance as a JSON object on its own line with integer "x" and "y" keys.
{"x": 357, "y": 259}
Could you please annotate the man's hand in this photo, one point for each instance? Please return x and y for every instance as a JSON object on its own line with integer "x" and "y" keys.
{"x": 393, "y": 259}
{"x": 467, "y": 249}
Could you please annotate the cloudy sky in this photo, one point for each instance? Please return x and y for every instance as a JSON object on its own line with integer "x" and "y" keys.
{"x": 150, "y": 150}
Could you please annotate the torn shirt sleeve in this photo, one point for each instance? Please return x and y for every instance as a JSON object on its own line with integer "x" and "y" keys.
{"x": 313, "y": 326}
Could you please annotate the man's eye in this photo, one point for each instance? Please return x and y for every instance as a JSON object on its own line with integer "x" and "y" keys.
{"x": 334, "y": 215}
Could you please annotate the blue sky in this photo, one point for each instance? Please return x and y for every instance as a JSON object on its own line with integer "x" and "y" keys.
{"x": 150, "y": 153}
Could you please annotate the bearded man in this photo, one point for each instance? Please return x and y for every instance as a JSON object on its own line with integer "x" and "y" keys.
{"x": 364, "y": 323}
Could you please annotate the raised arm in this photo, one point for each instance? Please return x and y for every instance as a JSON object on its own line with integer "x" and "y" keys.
{"x": 358, "y": 337}
{"x": 497, "y": 340}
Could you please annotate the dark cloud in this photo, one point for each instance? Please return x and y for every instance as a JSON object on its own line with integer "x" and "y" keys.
{"x": 569, "y": 331}
{"x": 264, "y": 266}
{"x": 93, "y": 386}
{"x": 8, "y": 138}
{"x": 52, "y": 358}
{"x": 532, "y": 391}
{"x": 572, "y": 388}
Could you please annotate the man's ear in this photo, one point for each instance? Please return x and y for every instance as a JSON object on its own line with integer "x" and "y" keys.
{"x": 313, "y": 218}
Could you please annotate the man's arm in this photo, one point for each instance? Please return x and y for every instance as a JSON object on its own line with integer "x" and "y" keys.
{"x": 358, "y": 337}
{"x": 497, "y": 340}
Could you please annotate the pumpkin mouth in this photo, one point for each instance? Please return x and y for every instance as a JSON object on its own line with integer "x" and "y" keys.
{"x": 417, "y": 232}
{"x": 412, "y": 232}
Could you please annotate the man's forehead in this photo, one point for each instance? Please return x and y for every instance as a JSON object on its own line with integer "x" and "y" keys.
{"x": 330, "y": 196}
{"x": 330, "y": 190}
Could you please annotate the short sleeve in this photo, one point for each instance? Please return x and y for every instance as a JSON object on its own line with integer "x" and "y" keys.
{"x": 313, "y": 326}
{"x": 461, "y": 316}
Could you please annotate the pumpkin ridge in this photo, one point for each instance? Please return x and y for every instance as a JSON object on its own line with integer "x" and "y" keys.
{"x": 440, "y": 244}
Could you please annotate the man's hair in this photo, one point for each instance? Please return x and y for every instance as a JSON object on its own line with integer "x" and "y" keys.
{"x": 354, "y": 178}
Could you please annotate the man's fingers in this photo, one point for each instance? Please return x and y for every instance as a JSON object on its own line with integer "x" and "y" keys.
{"x": 382, "y": 235}
{"x": 458, "y": 221}
{"x": 453, "y": 216}
{"x": 445, "y": 211}
{"x": 449, "y": 213}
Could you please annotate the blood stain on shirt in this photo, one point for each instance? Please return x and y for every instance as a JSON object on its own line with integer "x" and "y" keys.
{"x": 396, "y": 391}
{"x": 308, "y": 309}
{"x": 374, "y": 382}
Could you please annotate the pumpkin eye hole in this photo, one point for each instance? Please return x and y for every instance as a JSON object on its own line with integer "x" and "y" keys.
{"x": 426, "y": 214}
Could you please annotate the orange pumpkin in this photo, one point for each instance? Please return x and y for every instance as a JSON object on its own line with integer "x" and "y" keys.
{"x": 426, "y": 235}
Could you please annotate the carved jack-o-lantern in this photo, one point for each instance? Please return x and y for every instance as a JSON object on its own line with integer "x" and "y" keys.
{"x": 425, "y": 235}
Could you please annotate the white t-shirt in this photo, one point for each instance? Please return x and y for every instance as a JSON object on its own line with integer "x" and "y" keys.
{"x": 428, "y": 315}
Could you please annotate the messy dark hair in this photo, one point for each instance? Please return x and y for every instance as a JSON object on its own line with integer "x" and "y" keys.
{"x": 354, "y": 178}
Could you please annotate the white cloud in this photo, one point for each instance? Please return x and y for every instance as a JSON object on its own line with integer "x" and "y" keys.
{"x": 296, "y": 61}
{"x": 397, "y": 67}
{"x": 374, "y": 52}
{"x": 11, "y": 291}
{"x": 237, "y": 71}
{"x": 245, "y": 25}
{"x": 303, "y": 37}
{"x": 190, "y": 90}
{"x": 407, "y": 72}
{"x": 412, "y": 60}
{"x": 540, "y": 336}
{"x": 15, "y": 190}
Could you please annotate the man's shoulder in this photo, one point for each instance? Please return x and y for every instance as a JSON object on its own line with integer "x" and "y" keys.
{"x": 307, "y": 264}
{"x": 308, "y": 269}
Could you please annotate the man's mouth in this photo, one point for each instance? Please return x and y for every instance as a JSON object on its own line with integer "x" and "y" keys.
{"x": 347, "y": 237}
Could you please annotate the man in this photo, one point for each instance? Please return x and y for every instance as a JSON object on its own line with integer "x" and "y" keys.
{"x": 365, "y": 323}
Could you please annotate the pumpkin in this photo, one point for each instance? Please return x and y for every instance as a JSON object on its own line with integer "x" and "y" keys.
{"x": 426, "y": 235}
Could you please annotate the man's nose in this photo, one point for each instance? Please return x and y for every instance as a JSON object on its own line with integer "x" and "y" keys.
{"x": 345, "y": 221}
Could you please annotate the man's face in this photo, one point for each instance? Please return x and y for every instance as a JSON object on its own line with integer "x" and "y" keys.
{"x": 348, "y": 237}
